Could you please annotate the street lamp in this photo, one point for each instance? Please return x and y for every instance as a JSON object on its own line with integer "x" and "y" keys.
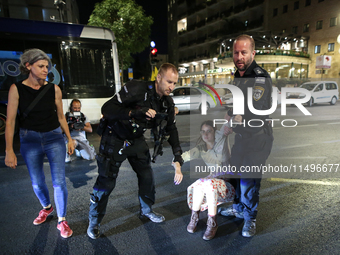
{"x": 60, "y": 6}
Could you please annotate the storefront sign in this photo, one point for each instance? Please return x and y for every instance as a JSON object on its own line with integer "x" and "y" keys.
{"x": 219, "y": 70}
{"x": 323, "y": 61}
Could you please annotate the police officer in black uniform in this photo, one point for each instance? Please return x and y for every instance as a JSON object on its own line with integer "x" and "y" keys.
{"x": 254, "y": 138}
{"x": 136, "y": 107}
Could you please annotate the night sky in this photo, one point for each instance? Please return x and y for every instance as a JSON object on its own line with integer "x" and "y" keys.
{"x": 157, "y": 11}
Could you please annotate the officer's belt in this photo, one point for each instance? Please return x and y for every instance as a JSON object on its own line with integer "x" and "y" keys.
{"x": 249, "y": 135}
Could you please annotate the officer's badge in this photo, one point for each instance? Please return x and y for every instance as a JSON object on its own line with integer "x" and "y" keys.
{"x": 258, "y": 70}
{"x": 258, "y": 92}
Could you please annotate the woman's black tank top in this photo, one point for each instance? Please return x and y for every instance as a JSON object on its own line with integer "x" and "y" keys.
{"x": 43, "y": 116}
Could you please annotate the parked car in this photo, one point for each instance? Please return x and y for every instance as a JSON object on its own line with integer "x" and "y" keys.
{"x": 227, "y": 100}
{"x": 278, "y": 96}
{"x": 190, "y": 98}
{"x": 321, "y": 92}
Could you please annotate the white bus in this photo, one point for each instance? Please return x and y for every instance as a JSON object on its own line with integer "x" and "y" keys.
{"x": 84, "y": 59}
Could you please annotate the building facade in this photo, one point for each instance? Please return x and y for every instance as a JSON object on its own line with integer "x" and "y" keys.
{"x": 289, "y": 36}
{"x": 45, "y": 10}
{"x": 317, "y": 20}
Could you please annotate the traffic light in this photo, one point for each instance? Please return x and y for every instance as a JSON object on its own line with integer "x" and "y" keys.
{"x": 154, "y": 53}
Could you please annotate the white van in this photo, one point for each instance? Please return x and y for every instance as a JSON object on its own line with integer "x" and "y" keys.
{"x": 322, "y": 92}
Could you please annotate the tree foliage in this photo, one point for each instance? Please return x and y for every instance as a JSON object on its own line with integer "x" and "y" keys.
{"x": 132, "y": 28}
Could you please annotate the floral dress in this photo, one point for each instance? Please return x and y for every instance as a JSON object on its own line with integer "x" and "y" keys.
{"x": 216, "y": 182}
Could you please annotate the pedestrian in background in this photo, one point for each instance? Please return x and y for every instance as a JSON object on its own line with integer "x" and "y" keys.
{"x": 41, "y": 123}
{"x": 78, "y": 125}
{"x": 253, "y": 142}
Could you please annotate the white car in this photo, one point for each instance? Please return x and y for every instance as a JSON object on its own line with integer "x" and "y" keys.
{"x": 321, "y": 92}
{"x": 227, "y": 100}
{"x": 190, "y": 98}
{"x": 278, "y": 96}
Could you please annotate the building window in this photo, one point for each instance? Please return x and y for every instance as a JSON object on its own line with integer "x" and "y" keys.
{"x": 274, "y": 12}
{"x": 319, "y": 25}
{"x": 317, "y": 49}
{"x": 296, "y": 5}
{"x": 285, "y": 8}
{"x": 283, "y": 30}
{"x": 294, "y": 30}
{"x": 308, "y": 2}
{"x": 331, "y": 47}
{"x": 182, "y": 25}
{"x": 306, "y": 28}
{"x": 333, "y": 22}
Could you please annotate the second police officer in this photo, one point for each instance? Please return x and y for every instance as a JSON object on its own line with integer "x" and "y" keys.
{"x": 254, "y": 138}
{"x": 127, "y": 115}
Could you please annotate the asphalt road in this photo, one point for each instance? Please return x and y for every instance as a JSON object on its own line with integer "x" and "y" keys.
{"x": 298, "y": 211}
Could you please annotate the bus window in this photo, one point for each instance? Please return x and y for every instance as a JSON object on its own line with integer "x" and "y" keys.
{"x": 88, "y": 70}
{"x": 84, "y": 59}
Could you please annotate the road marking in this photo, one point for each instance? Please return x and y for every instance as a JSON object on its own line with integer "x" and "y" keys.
{"x": 308, "y": 157}
{"x": 298, "y": 126}
{"x": 92, "y": 173}
{"x": 334, "y": 141}
{"x": 304, "y": 181}
{"x": 311, "y": 125}
{"x": 296, "y": 146}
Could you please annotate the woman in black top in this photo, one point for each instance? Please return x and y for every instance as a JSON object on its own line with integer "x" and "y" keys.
{"x": 40, "y": 134}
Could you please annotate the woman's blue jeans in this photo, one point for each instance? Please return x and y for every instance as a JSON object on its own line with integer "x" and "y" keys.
{"x": 34, "y": 147}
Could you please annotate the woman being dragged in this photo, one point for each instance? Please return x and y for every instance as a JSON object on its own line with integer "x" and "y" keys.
{"x": 207, "y": 193}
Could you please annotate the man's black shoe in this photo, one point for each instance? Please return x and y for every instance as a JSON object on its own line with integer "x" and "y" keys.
{"x": 230, "y": 212}
{"x": 93, "y": 231}
{"x": 153, "y": 216}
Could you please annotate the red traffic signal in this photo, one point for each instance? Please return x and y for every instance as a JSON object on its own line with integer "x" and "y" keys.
{"x": 154, "y": 52}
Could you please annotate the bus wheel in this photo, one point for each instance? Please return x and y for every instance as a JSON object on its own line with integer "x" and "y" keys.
{"x": 3, "y": 118}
